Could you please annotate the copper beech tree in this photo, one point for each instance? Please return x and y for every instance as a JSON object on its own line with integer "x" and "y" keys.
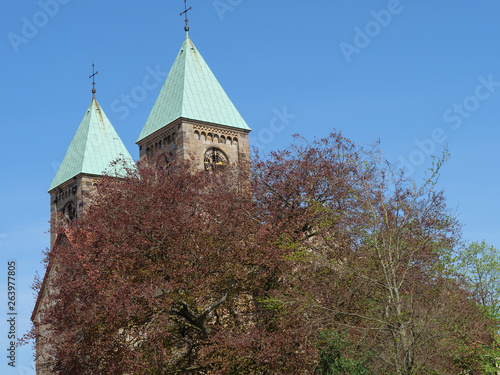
{"x": 174, "y": 271}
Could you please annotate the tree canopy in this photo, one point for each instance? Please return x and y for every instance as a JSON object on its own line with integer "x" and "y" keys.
{"x": 322, "y": 259}
{"x": 480, "y": 265}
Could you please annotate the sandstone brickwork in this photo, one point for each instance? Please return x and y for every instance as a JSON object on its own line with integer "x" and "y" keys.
{"x": 190, "y": 140}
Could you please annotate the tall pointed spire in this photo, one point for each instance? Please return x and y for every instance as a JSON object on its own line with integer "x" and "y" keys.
{"x": 191, "y": 91}
{"x": 94, "y": 147}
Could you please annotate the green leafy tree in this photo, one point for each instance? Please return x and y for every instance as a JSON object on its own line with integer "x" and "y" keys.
{"x": 479, "y": 263}
{"x": 338, "y": 357}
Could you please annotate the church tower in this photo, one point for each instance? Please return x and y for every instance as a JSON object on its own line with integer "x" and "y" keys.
{"x": 94, "y": 147}
{"x": 89, "y": 156}
{"x": 193, "y": 118}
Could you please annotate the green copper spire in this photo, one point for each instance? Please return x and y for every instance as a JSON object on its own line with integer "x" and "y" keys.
{"x": 191, "y": 91}
{"x": 95, "y": 145}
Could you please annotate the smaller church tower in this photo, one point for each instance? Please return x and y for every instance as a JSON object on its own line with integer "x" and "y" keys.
{"x": 193, "y": 118}
{"x": 94, "y": 147}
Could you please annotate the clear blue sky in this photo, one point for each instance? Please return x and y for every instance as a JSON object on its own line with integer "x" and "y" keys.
{"x": 411, "y": 73}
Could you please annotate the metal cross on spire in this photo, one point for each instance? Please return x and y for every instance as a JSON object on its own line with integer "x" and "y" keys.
{"x": 185, "y": 17}
{"x": 92, "y": 76}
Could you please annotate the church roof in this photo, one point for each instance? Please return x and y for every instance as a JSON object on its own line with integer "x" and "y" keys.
{"x": 94, "y": 146}
{"x": 191, "y": 91}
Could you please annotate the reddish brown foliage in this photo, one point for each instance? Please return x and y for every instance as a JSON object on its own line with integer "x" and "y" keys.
{"x": 174, "y": 271}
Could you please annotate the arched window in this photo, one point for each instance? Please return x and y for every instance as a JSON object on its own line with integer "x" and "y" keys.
{"x": 69, "y": 211}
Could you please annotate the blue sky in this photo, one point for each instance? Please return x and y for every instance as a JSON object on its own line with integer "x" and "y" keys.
{"x": 411, "y": 73}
